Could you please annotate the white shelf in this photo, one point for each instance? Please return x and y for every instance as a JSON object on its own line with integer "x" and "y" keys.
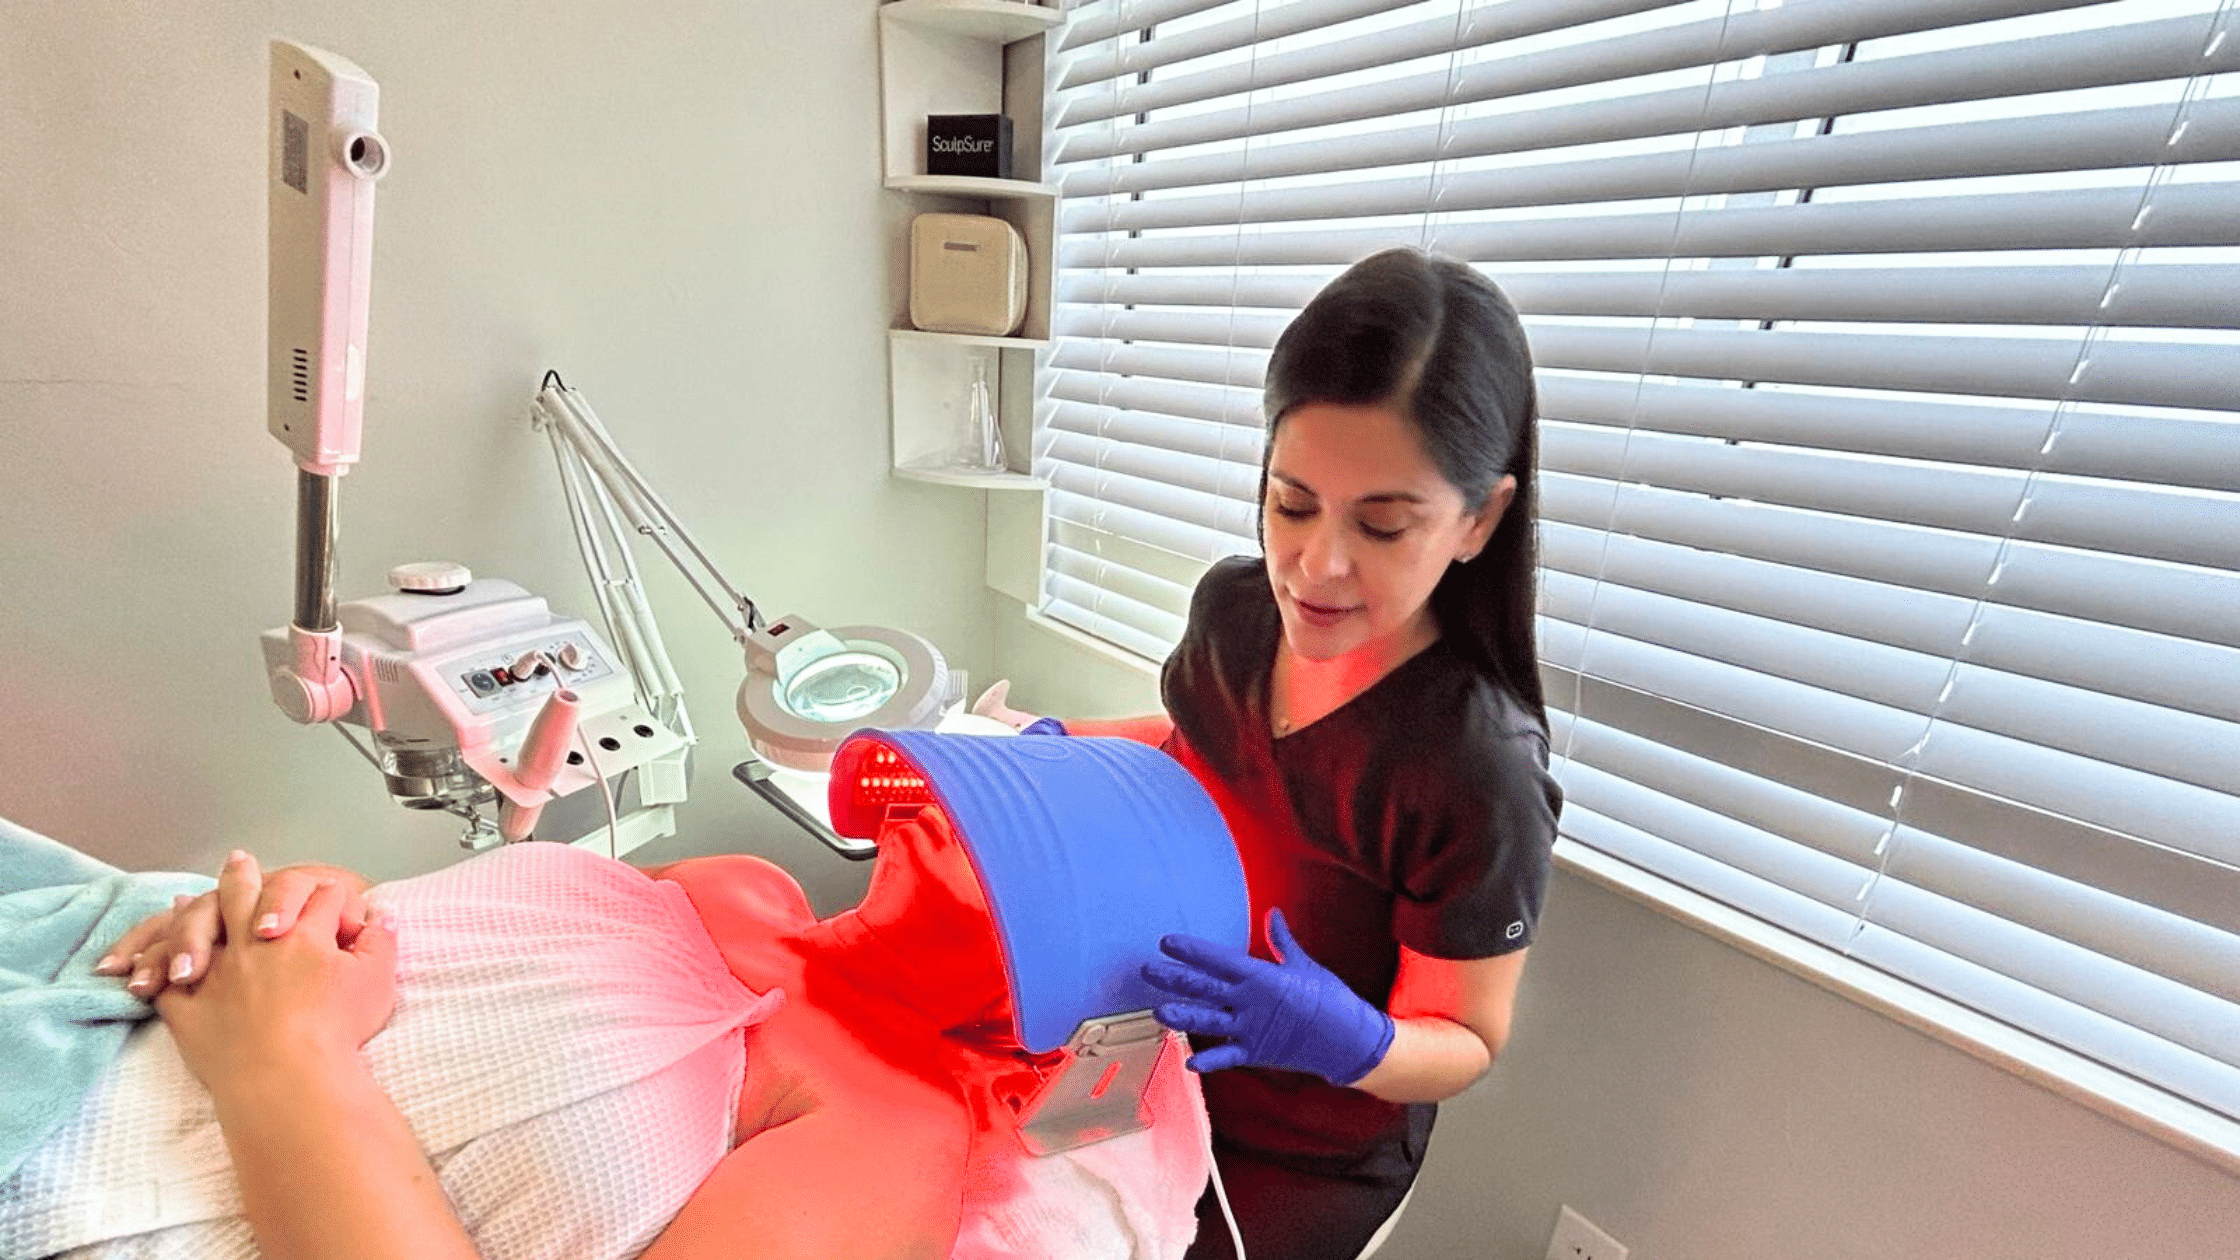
{"x": 970, "y": 478}
{"x": 968, "y": 339}
{"x": 993, "y": 21}
{"x": 972, "y": 186}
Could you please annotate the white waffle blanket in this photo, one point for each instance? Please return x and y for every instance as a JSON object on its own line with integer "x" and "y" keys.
{"x": 565, "y": 1045}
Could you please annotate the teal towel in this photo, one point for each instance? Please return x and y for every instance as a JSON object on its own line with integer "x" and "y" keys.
{"x": 60, "y": 1024}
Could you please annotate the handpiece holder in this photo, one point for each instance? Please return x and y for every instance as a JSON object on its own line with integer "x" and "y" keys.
{"x": 543, "y": 751}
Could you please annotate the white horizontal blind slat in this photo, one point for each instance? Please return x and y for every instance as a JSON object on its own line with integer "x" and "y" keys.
{"x": 1827, "y": 851}
{"x": 1104, "y": 19}
{"x": 1089, "y": 620}
{"x": 1779, "y": 861}
{"x": 2124, "y": 373}
{"x": 2158, "y": 670}
{"x": 1235, "y": 483}
{"x": 1078, "y": 500}
{"x": 2171, "y": 813}
{"x": 1799, "y": 912}
{"x": 1153, "y": 497}
{"x": 1967, "y": 956}
{"x": 2173, "y": 946}
{"x": 2158, "y": 447}
{"x": 1104, "y": 602}
{"x": 2198, "y": 296}
{"x": 1169, "y": 599}
{"x": 1242, "y": 368}
{"x": 1903, "y": 617}
{"x": 2088, "y": 218}
{"x": 1827, "y": 799}
{"x": 1162, "y": 427}
{"x": 2132, "y": 518}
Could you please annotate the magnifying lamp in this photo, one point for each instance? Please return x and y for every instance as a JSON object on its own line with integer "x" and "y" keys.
{"x": 807, "y": 688}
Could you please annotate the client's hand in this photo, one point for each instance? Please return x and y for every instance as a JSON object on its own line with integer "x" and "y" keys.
{"x": 995, "y": 703}
{"x": 266, "y": 1002}
{"x": 175, "y": 946}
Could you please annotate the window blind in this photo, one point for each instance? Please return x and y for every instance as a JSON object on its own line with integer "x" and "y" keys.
{"x": 1890, "y": 390}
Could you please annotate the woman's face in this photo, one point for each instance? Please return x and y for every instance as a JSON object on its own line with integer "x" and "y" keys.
{"x": 926, "y": 905}
{"x": 1359, "y": 526}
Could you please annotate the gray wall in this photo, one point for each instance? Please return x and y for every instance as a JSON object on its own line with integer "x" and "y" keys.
{"x": 678, "y": 206}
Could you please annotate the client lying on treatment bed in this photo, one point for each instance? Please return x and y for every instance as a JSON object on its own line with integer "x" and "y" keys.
{"x": 552, "y": 1059}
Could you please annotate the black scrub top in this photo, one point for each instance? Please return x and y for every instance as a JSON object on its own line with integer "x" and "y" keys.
{"x": 1420, "y": 812}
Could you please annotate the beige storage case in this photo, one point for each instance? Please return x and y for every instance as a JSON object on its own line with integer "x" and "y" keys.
{"x": 968, "y": 274}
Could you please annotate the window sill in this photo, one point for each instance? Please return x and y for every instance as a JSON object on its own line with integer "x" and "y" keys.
{"x": 2186, "y": 1126}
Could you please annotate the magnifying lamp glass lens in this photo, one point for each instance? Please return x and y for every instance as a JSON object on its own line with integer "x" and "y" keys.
{"x": 843, "y": 687}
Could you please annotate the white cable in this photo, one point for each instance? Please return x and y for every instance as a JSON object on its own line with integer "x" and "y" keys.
{"x": 546, "y": 665}
{"x": 1220, "y": 1192}
{"x": 614, "y": 827}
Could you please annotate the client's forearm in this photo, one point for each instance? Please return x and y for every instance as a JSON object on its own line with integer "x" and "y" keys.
{"x": 329, "y": 1170}
{"x": 1152, "y": 729}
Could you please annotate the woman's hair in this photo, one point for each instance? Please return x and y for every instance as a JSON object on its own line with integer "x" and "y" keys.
{"x": 1441, "y": 345}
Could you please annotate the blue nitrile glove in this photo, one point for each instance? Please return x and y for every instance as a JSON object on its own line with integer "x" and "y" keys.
{"x": 1294, "y": 1014}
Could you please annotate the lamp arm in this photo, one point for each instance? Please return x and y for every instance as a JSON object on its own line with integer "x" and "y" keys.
{"x": 564, "y": 414}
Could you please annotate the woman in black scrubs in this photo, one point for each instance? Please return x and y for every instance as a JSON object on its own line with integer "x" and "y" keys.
{"x": 1365, "y": 705}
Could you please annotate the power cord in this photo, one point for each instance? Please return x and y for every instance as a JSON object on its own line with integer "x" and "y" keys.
{"x": 1220, "y": 1192}
{"x": 614, "y": 826}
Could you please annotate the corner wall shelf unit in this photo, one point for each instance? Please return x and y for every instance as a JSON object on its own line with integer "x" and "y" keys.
{"x": 957, "y": 57}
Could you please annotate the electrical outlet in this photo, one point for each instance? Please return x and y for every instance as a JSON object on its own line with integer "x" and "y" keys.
{"x": 1576, "y": 1238}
